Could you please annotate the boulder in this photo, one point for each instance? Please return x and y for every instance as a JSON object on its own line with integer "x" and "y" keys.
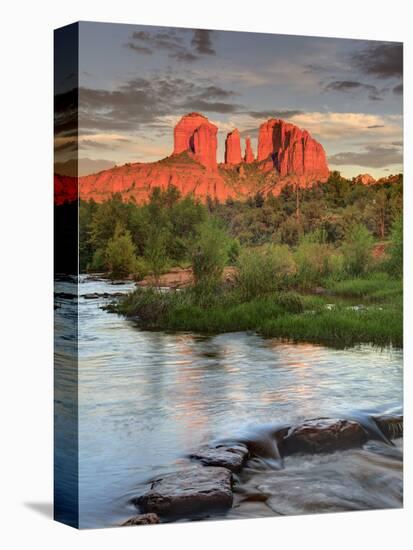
{"x": 142, "y": 519}
{"x": 390, "y": 424}
{"x": 188, "y": 492}
{"x": 249, "y": 155}
{"x": 324, "y": 435}
{"x": 233, "y": 148}
{"x": 232, "y": 457}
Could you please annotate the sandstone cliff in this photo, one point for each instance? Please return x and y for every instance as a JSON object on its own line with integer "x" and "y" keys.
{"x": 233, "y": 148}
{"x": 291, "y": 150}
{"x": 286, "y": 155}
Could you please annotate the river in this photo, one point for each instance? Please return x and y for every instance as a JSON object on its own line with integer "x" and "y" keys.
{"x": 146, "y": 399}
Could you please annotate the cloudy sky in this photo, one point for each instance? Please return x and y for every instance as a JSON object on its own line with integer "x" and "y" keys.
{"x": 137, "y": 81}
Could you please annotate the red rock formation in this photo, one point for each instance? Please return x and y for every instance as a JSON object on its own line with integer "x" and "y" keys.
{"x": 293, "y": 151}
{"x": 265, "y": 139}
{"x": 286, "y": 153}
{"x": 65, "y": 189}
{"x": 233, "y": 148}
{"x": 205, "y": 145}
{"x": 139, "y": 179}
{"x": 249, "y": 155}
{"x": 365, "y": 179}
{"x": 195, "y": 134}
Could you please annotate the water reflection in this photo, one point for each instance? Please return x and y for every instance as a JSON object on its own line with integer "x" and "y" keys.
{"x": 148, "y": 398}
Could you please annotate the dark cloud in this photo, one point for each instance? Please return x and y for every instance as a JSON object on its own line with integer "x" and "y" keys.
{"x": 184, "y": 55}
{"x": 210, "y": 106}
{"x": 143, "y": 101}
{"x": 174, "y": 42}
{"x": 202, "y": 43}
{"x": 65, "y": 113}
{"x": 374, "y": 126}
{"x": 82, "y": 166}
{"x": 68, "y": 146}
{"x": 398, "y": 90}
{"x": 397, "y": 143}
{"x": 373, "y": 156}
{"x": 95, "y": 144}
{"x": 139, "y": 49}
{"x": 274, "y": 114}
{"x": 383, "y": 60}
{"x": 353, "y": 86}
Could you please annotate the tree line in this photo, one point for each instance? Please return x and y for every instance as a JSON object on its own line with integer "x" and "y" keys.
{"x": 328, "y": 228}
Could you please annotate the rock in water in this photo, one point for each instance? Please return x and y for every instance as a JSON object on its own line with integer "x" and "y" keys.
{"x": 232, "y": 457}
{"x": 391, "y": 425}
{"x": 142, "y": 519}
{"x": 249, "y": 155}
{"x": 324, "y": 435}
{"x": 194, "y": 490}
{"x": 233, "y": 148}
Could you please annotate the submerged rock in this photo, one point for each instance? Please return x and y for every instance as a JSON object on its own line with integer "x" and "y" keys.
{"x": 188, "y": 492}
{"x": 324, "y": 435}
{"x": 96, "y": 295}
{"x": 390, "y": 424}
{"x": 232, "y": 457}
{"x": 142, "y": 519}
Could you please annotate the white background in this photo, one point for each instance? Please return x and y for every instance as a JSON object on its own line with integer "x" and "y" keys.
{"x": 26, "y": 270}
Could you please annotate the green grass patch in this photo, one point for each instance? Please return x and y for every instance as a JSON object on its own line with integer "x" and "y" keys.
{"x": 378, "y": 287}
{"x": 288, "y": 315}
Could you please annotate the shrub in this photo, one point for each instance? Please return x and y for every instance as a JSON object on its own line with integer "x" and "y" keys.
{"x": 357, "y": 249}
{"x": 312, "y": 261}
{"x": 120, "y": 253}
{"x": 234, "y": 250}
{"x": 155, "y": 254}
{"x": 264, "y": 270}
{"x": 291, "y": 302}
{"x": 395, "y": 262}
{"x": 98, "y": 262}
{"x": 209, "y": 255}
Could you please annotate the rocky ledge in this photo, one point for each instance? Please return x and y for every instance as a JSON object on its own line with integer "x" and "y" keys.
{"x": 199, "y": 490}
{"x": 194, "y": 490}
{"x": 324, "y": 435}
{"x": 232, "y": 457}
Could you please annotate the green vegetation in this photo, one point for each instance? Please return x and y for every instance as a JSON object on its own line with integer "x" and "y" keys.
{"x": 209, "y": 256}
{"x": 264, "y": 270}
{"x": 120, "y": 253}
{"x": 329, "y": 319}
{"x": 324, "y": 268}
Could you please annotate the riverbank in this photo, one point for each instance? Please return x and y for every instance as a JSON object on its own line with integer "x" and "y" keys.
{"x": 341, "y": 313}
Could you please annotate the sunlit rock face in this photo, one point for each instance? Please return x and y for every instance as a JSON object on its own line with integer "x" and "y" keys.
{"x": 195, "y": 134}
{"x": 249, "y": 155}
{"x": 365, "y": 179}
{"x": 233, "y": 148}
{"x": 286, "y": 155}
{"x": 292, "y": 150}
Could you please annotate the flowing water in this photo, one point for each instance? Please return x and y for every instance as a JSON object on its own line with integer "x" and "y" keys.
{"x": 146, "y": 399}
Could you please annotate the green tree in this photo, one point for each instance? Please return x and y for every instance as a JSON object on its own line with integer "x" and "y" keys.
{"x": 120, "y": 253}
{"x": 105, "y": 218}
{"x": 395, "y": 262}
{"x": 209, "y": 255}
{"x": 155, "y": 254}
{"x": 265, "y": 269}
{"x": 357, "y": 249}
